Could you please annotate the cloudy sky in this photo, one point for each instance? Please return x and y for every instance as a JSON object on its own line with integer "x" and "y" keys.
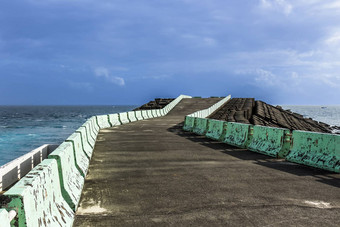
{"x": 128, "y": 52}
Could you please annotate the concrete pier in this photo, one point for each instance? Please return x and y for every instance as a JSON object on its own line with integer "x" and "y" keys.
{"x": 152, "y": 173}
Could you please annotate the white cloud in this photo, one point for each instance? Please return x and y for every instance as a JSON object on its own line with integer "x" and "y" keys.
{"x": 104, "y": 72}
{"x": 260, "y": 76}
{"x": 277, "y": 5}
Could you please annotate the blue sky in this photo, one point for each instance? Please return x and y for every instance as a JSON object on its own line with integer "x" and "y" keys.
{"x": 128, "y": 52}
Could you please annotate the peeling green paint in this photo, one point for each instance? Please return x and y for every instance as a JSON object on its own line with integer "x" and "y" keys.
{"x": 201, "y": 126}
{"x": 319, "y": 150}
{"x": 38, "y": 200}
{"x": 217, "y": 129}
{"x": 189, "y": 123}
{"x": 71, "y": 181}
{"x": 270, "y": 141}
{"x": 237, "y": 134}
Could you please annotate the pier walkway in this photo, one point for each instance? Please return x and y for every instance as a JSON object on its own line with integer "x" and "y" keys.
{"x": 151, "y": 173}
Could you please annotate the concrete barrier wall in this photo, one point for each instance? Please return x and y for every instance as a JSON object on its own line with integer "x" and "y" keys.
{"x": 132, "y": 116}
{"x": 38, "y": 200}
{"x": 88, "y": 148}
{"x": 206, "y": 112}
{"x": 139, "y": 115}
{"x": 216, "y": 129}
{"x": 189, "y": 123}
{"x": 71, "y": 179}
{"x": 16, "y": 169}
{"x": 270, "y": 141}
{"x": 123, "y": 117}
{"x": 237, "y": 134}
{"x": 61, "y": 176}
{"x": 200, "y": 126}
{"x": 145, "y": 114}
{"x": 81, "y": 157}
{"x": 95, "y": 125}
{"x": 318, "y": 150}
{"x": 103, "y": 121}
{"x": 5, "y": 219}
{"x": 114, "y": 120}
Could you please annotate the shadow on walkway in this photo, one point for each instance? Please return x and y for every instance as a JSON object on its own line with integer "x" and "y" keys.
{"x": 320, "y": 175}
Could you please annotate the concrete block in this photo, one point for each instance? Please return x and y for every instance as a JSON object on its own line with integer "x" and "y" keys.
{"x": 270, "y": 141}
{"x": 145, "y": 114}
{"x": 320, "y": 150}
{"x": 81, "y": 157}
{"x": 201, "y": 126}
{"x": 91, "y": 138}
{"x": 131, "y": 115}
{"x": 4, "y": 218}
{"x": 114, "y": 119}
{"x": 139, "y": 115}
{"x": 189, "y": 123}
{"x": 94, "y": 122}
{"x": 150, "y": 114}
{"x": 216, "y": 129}
{"x": 71, "y": 180}
{"x": 124, "y": 119}
{"x": 155, "y": 113}
{"x": 237, "y": 134}
{"x": 103, "y": 121}
{"x": 38, "y": 200}
{"x": 85, "y": 142}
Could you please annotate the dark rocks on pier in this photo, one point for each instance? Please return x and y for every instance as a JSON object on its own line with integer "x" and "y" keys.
{"x": 157, "y": 104}
{"x": 251, "y": 111}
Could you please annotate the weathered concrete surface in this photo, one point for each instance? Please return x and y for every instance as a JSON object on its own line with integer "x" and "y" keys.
{"x": 151, "y": 173}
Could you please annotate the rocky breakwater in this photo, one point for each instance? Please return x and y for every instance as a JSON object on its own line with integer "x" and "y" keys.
{"x": 251, "y": 111}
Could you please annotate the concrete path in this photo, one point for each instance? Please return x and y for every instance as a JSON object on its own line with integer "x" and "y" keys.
{"x": 151, "y": 173}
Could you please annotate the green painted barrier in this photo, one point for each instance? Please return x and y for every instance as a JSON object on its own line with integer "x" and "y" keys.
{"x": 88, "y": 148}
{"x": 270, "y": 141}
{"x": 114, "y": 119}
{"x": 200, "y": 126}
{"x": 216, "y": 129}
{"x": 132, "y": 116}
{"x": 189, "y": 123}
{"x": 103, "y": 121}
{"x": 319, "y": 150}
{"x": 81, "y": 158}
{"x": 123, "y": 117}
{"x": 71, "y": 181}
{"x": 237, "y": 134}
{"x": 4, "y": 218}
{"x": 38, "y": 200}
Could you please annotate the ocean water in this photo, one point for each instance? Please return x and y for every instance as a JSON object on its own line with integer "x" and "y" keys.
{"x": 327, "y": 114}
{"x": 24, "y": 128}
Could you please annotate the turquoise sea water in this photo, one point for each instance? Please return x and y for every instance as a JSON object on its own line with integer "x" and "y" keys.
{"x": 24, "y": 128}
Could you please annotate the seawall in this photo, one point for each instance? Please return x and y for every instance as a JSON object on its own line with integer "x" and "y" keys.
{"x": 141, "y": 168}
